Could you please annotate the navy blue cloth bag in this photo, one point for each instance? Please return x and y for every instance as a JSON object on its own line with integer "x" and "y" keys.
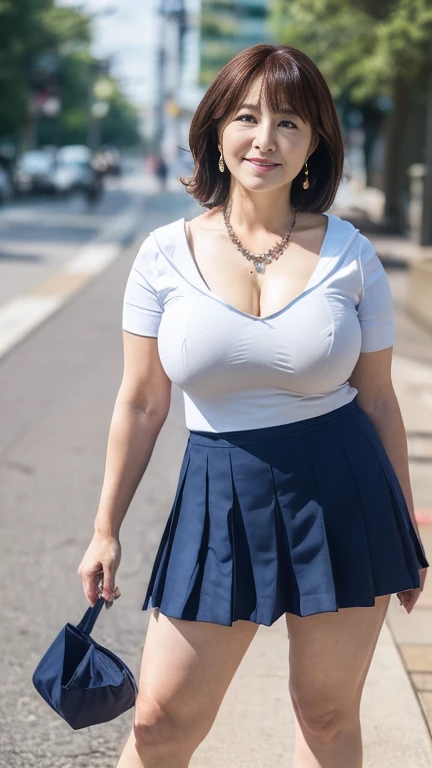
{"x": 82, "y": 681}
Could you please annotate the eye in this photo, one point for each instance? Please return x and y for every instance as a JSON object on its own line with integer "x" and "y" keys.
{"x": 245, "y": 118}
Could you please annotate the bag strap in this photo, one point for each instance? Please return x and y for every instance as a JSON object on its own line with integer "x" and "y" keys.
{"x": 89, "y": 619}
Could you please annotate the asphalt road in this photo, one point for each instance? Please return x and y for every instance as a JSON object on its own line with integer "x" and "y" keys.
{"x": 39, "y": 234}
{"x": 57, "y": 390}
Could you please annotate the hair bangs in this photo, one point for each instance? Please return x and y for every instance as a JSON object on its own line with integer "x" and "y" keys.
{"x": 282, "y": 88}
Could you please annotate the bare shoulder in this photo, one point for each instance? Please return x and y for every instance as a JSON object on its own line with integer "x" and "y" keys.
{"x": 210, "y": 221}
{"x": 311, "y": 221}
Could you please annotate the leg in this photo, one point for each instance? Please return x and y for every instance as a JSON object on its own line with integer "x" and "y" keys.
{"x": 329, "y": 657}
{"x": 186, "y": 669}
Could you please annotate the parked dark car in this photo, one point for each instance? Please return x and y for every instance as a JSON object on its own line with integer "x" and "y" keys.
{"x": 34, "y": 171}
{"x": 6, "y": 185}
{"x": 74, "y": 171}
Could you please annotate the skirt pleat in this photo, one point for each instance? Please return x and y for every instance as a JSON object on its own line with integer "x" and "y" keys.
{"x": 210, "y": 589}
{"x": 345, "y": 529}
{"x": 387, "y": 547}
{"x": 158, "y": 575}
{"x": 300, "y": 511}
{"x": 414, "y": 551}
{"x": 254, "y": 513}
{"x": 301, "y": 518}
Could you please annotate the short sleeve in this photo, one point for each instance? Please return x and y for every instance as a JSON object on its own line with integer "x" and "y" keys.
{"x": 142, "y": 310}
{"x": 375, "y": 310}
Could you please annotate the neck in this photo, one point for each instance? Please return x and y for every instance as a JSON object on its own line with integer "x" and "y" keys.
{"x": 254, "y": 212}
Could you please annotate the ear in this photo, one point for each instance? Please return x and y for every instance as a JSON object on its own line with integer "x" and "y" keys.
{"x": 313, "y": 145}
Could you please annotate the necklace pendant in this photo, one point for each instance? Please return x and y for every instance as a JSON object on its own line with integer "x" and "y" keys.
{"x": 264, "y": 258}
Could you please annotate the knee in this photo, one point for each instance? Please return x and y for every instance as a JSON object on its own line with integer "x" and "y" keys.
{"x": 164, "y": 729}
{"x": 154, "y": 726}
{"x": 320, "y": 718}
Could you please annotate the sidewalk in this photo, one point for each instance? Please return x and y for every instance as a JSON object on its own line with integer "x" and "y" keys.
{"x": 364, "y": 208}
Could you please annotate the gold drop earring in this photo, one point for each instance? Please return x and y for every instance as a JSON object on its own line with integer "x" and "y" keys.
{"x": 221, "y": 162}
{"x": 306, "y": 181}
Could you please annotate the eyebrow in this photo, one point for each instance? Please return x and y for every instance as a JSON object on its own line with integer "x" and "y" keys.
{"x": 282, "y": 111}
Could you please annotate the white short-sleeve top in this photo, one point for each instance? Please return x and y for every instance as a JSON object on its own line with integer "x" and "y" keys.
{"x": 238, "y": 371}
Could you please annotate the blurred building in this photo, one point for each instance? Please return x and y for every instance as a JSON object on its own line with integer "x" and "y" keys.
{"x": 196, "y": 39}
{"x": 226, "y": 28}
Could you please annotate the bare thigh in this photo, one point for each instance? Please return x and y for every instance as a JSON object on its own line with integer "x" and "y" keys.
{"x": 330, "y": 655}
{"x": 186, "y": 669}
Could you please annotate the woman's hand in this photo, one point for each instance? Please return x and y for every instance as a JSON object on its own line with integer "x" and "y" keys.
{"x": 102, "y": 558}
{"x": 409, "y": 597}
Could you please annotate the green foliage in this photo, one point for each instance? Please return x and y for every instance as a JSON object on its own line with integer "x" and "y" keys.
{"x": 66, "y": 25}
{"x": 121, "y": 124}
{"x": 17, "y": 41}
{"x": 42, "y": 44}
{"x": 76, "y": 74}
{"x": 217, "y": 25}
{"x": 360, "y": 46}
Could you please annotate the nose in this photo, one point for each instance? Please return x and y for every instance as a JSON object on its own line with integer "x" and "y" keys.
{"x": 265, "y": 138}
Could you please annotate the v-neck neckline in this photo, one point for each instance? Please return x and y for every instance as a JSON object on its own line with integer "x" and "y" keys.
{"x": 204, "y": 288}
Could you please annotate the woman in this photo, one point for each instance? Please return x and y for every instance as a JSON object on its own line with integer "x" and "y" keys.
{"x": 294, "y": 498}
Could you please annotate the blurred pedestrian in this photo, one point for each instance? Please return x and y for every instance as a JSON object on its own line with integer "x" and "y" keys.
{"x": 93, "y": 190}
{"x": 275, "y": 317}
{"x": 161, "y": 171}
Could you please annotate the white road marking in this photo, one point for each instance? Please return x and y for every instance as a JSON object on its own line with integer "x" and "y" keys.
{"x": 23, "y": 314}
{"x": 19, "y": 316}
{"x": 92, "y": 259}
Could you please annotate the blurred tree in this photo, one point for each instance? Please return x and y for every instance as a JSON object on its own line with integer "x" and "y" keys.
{"x": 121, "y": 124}
{"x": 367, "y": 49}
{"x": 46, "y": 73}
{"x": 35, "y": 36}
{"x": 70, "y": 126}
{"x": 19, "y": 36}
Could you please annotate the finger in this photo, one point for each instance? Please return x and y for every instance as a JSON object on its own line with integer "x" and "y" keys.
{"x": 410, "y": 600}
{"x": 90, "y": 582}
{"x": 108, "y": 590}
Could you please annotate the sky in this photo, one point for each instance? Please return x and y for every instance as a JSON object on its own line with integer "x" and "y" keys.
{"x": 128, "y": 37}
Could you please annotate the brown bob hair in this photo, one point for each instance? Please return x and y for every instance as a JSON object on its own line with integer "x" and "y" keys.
{"x": 290, "y": 78}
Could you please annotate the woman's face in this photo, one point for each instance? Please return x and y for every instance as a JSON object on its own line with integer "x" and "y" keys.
{"x": 281, "y": 139}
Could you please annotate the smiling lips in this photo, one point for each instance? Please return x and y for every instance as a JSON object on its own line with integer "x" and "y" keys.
{"x": 262, "y": 165}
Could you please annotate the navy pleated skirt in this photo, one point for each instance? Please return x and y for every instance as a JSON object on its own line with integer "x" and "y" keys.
{"x": 302, "y": 518}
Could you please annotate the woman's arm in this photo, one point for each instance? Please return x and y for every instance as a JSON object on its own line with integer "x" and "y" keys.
{"x": 376, "y": 396}
{"x": 141, "y": 407}
{"x": 140, "y": 410}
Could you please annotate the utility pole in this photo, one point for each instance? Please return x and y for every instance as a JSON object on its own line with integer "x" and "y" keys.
{"x": 97, "y": 66}
{"x": 170, "y": 12}
{"x": 160, "y": 81}
{"x": 426, "y": 223}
